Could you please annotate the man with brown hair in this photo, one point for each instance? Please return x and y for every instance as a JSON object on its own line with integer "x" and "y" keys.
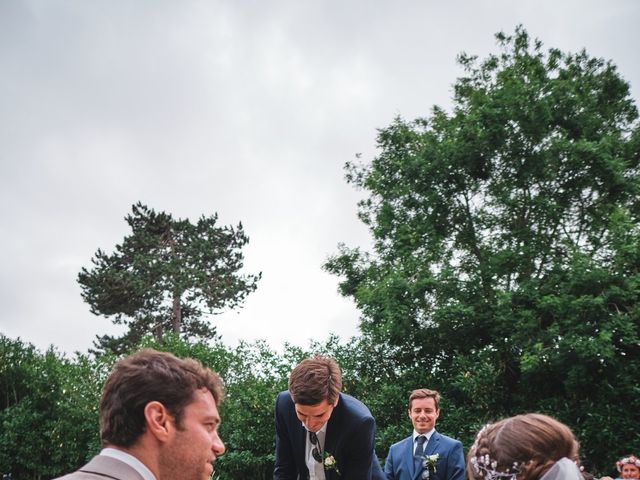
{"x": 426, "y": 453}
{"x": 322, "y": 434}
{"x": 158, "y": 420}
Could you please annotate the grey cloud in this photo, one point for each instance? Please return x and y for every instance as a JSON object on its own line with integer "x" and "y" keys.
{"x": 246, "y": 108}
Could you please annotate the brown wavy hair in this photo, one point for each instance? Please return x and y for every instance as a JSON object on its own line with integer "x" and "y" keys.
{"x": 314, "y": 380}
{"x": 145, "y": 377}
{"x": 425, "y": 393}
{"x": 533, "y": 440}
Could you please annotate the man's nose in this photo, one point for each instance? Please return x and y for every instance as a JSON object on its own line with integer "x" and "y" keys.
{"x": 218, "y": 446}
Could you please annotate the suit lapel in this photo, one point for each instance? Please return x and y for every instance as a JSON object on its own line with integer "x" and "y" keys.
{"x": 301, "y": 434}
{"x": 331, "y": 437}
{"x": 431, "y": 447}
{"x": 432, "y": 444}
{"x": 334, "y": 431}
{"x": 407, "y": 455}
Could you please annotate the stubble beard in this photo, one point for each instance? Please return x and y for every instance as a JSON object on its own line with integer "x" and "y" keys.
{"x": 182, "y": 463}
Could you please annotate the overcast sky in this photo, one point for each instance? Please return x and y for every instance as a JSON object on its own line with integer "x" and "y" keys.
{"x": 245, "y": 108}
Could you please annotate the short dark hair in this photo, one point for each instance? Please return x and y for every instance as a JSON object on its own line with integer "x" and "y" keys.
{"x": 314, "y": 380}
{"x": 425, "y": 393}
{"x": 145, "y": 377}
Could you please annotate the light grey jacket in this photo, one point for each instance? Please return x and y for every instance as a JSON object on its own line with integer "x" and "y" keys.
{"x": 102, "y": 467}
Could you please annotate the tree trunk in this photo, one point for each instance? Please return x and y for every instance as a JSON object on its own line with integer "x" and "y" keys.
{"x": 176, "y": 314}
{"x": 157, "y": 331}
{"x": 176, "y": 311}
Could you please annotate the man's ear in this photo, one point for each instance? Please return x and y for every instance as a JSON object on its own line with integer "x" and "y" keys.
{"x": 158, "y": 420}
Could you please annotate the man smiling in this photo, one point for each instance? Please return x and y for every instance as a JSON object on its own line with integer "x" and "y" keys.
{"x": 444, "y": 455}
{"x": 322, "y": 434}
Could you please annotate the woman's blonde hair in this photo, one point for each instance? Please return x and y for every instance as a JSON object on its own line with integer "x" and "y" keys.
{"x": 523, "y": 447}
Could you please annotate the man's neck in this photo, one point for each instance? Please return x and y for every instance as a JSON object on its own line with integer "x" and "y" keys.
{"x": 136, "y": 457}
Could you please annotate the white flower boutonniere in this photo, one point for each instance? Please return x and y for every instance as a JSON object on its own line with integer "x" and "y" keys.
{"x": 330, "y": 463}
{"x": 429, "y": 464}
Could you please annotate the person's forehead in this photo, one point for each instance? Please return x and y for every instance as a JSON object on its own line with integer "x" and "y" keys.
{"x": 204, "y": 405}
{"x": 425, "y": 402}
{"x": 317, "y": 409}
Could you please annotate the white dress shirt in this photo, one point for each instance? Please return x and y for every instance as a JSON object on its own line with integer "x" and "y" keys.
{"x": 427, "y": 436}
{"x": 316, "y": 469}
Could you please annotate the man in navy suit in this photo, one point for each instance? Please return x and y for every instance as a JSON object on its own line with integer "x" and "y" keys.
{"x": 322, "y": 434}
{"x": 443, "y": 456}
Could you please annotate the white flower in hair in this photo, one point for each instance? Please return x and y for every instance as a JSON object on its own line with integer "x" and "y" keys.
{"x": 486, "y": 467}
{"x": 632, "y": 459}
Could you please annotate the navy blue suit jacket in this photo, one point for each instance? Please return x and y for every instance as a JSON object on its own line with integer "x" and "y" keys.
{"x": 450, "y": 465}
{"x": 350, "y": 438}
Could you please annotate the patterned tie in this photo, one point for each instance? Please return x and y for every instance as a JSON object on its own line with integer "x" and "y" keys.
{"x": 417, "y": 456}
{"x": 315, "y": 451}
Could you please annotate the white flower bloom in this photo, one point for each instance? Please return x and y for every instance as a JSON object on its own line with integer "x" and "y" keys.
{"x": 430, "y": 461}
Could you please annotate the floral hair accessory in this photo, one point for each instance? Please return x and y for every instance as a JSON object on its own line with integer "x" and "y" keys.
{"x": 632, "y": 459}
{"x": 484, "y": 466}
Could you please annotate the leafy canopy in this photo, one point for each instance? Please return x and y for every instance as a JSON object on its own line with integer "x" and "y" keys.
{"x": 166, "y": 275}
{"x": 507, "y": 236}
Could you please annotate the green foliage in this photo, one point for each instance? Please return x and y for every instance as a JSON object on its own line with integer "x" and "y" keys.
{"x": 165, "y": 276}
{"x": 257, "y": 375}
{"x": 48, "y": 410}
{"x": 505, "y": 268}
{"x": 49, "y": 414}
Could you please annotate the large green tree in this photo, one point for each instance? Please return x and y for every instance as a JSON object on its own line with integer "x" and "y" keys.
{"x": 506, "y": 260}
{"x": 165, "y": 276}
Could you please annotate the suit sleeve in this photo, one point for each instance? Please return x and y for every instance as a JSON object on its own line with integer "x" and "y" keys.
{"x": 358, "y": 464}
{"x": 388, "y": 466}
{"x": 285, "y": 467}
{"x": 455, "y": 463}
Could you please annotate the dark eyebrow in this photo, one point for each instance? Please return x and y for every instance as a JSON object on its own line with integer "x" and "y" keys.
{"x": 212, "y": 418}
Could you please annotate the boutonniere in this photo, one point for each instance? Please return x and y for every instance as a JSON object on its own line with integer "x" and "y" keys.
{"x": 429, "y": 462}
{"x": 330, "y": 462}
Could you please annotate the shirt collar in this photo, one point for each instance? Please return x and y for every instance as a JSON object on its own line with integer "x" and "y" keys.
{"x": 426, "y": 434}
{"x": 323, "y": 429}
{"x": 130, "y": 460}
